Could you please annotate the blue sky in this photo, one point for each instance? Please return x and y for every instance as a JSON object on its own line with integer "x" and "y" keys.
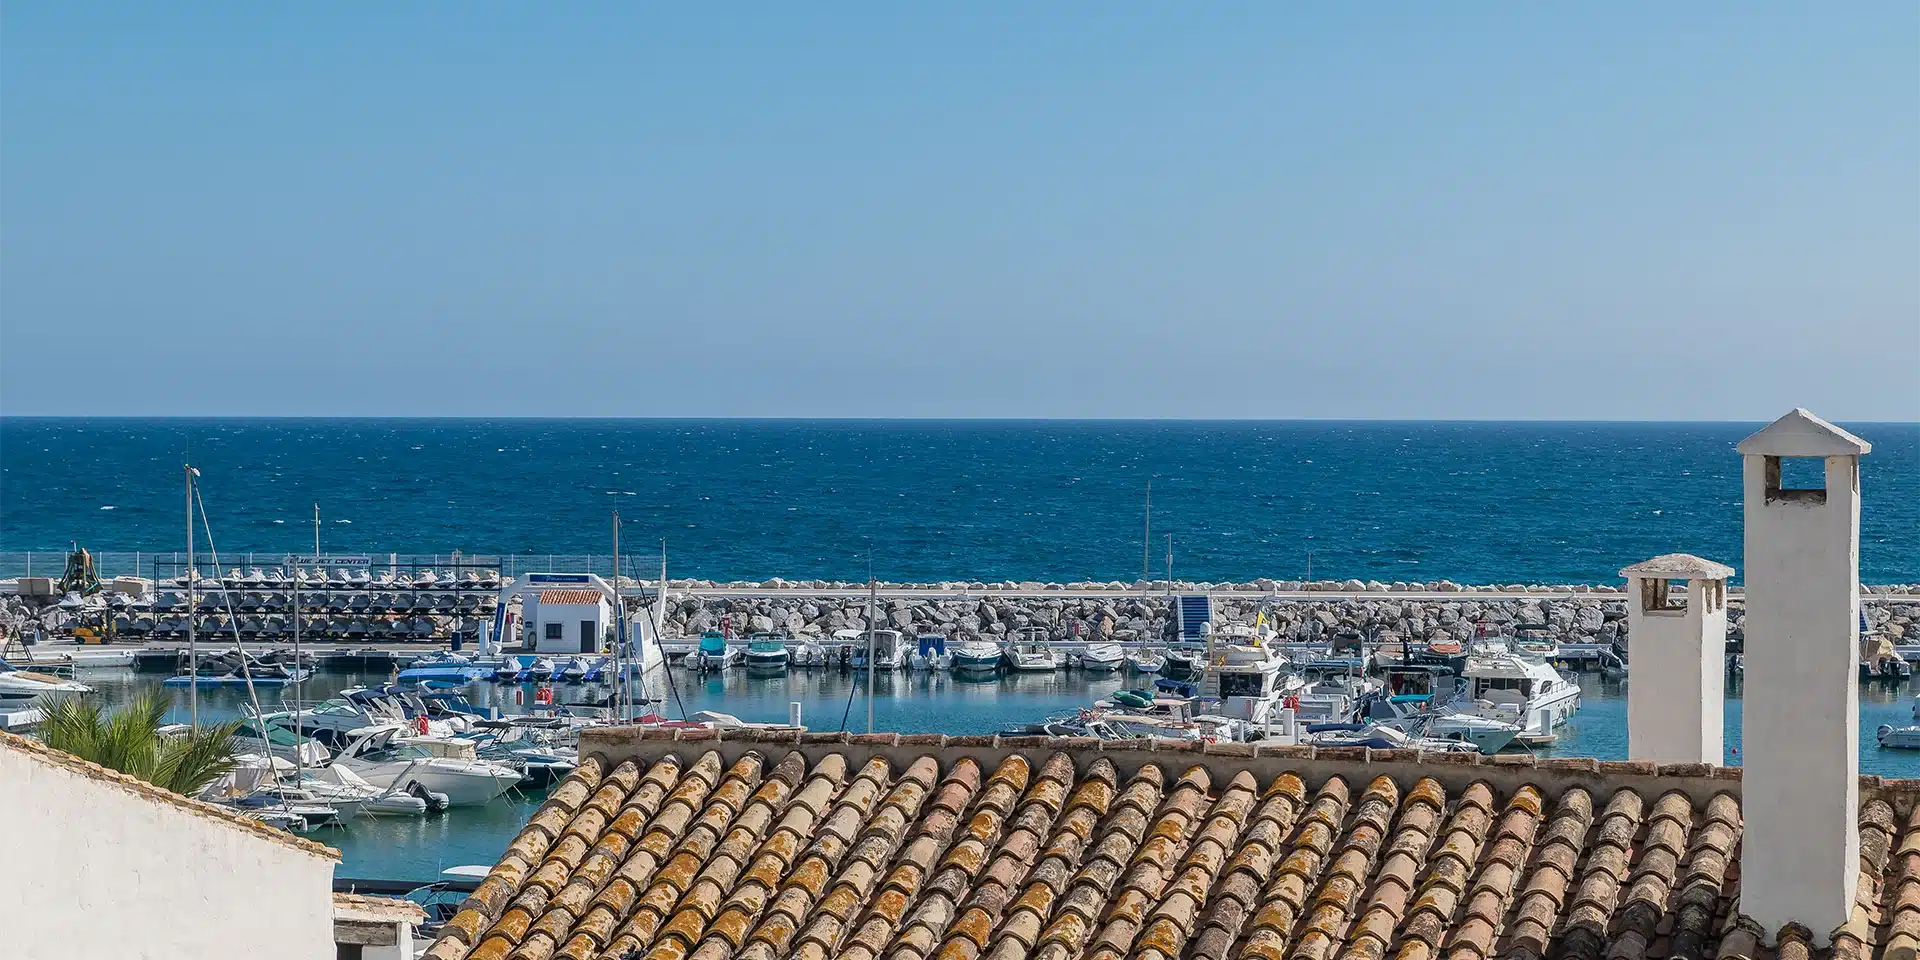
{"x": 1626, "y": 211}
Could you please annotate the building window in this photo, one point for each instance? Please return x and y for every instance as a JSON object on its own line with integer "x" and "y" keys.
{"x": 1800, "y": 479}
{"x": 554, "y": 629}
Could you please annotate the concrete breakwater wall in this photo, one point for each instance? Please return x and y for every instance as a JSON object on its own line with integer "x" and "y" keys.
{"x": 1570, "y": 617}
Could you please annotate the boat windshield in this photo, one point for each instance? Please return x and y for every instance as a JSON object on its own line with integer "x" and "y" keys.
{"x": 1243, "y": 684}
{"x": 395, "y": 751}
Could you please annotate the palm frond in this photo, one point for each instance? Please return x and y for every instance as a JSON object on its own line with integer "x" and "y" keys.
{"x": 128, "y": 739}
{"x": 189, "y": 763}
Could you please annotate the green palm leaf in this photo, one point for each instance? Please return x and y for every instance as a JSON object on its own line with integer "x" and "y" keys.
{"x": 128, "y": 739}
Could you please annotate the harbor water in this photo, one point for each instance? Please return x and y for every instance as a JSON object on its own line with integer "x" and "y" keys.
{"x": 418, "y": 849}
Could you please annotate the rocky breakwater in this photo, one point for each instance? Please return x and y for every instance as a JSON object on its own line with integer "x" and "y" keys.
{"x": 1149, "y": 618}
{"x": 1592, "y": 615}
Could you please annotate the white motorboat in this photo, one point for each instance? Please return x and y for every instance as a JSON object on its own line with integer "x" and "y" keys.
{"x": 1487, "y": 734}
{"x": 889, "y": 650}
{"x": 1102, "y": 658}
{"x": 715, "y": 653}
{"x": 1898, "y": 738}
{"x": 975, "y": 656}
{"x": 767, "y": 656}
{"x": 24, "y": 686}
{"x": 809, "y": 653}
{"x": 1381, "y": 736}
{"x": 1522, "y": 690}
{"x": 1145, "y": 661}
{"x": 333, "y": 721}
{"x": 1031, "y": 653}
{"x": 337, "y": 785}
{"x": 1410, "y": 713}
{"x": 1184, "y": 665}
{"x": 386, "y": 758}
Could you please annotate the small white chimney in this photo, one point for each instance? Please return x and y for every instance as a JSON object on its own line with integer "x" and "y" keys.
{"x": 1800, "y": 795}
{"x": 1677, "y": 628}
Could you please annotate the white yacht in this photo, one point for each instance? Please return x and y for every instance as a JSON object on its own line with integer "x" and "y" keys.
{"x": 384, "y": 757}
{"x": 1249, "y": 678}
{"x": 18, "y": 687}
{"x": 1517, "y": 688}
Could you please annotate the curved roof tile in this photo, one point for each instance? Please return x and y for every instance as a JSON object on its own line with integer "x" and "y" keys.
{"x": 1071, "y": 852}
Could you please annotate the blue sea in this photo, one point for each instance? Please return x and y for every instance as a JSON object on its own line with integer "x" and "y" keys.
{"x": 938, "y": 500}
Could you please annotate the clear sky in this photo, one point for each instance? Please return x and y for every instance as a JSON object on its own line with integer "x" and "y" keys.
{"x": 1265, "y": 210}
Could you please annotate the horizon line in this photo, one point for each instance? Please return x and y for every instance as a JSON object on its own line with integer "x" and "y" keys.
{"x": 1028, "y": 420}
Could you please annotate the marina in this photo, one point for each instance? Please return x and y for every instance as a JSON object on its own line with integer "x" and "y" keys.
{"x": 907, "y": 701}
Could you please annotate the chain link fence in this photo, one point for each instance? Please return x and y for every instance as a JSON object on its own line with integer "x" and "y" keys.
{"x": 162, "y": 564}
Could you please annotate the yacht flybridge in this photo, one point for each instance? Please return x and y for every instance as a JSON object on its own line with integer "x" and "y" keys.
{"x": 1518, "y": 688}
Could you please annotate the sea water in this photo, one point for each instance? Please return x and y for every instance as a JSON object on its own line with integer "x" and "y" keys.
{"x": 418, "y": 849}
{"x": 938, "y": 500}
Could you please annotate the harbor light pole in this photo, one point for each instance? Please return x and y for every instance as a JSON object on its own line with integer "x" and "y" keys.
{"x": 316, "y": 533}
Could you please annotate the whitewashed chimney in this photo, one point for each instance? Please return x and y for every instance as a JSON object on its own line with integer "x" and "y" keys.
{"x": 1677, "y": 625}
{"x": 1800, "y": 853}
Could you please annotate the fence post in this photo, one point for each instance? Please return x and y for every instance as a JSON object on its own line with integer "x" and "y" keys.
{"x": 29, "y": 563}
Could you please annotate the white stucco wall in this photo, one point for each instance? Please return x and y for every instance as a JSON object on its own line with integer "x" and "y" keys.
{"x": 569, "y": 615}
{"x": 1801, "y": 847}
{"x": 97, "y": 870}
{"x": 1676, "y": 701}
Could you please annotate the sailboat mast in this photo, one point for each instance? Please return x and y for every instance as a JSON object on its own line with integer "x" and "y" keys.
{"x": 298, "y": 681}
{"x": 660, "y": 625}
{"x": 193, "y": 614}
{"x": 873, "y": 597}
{"x": 619, "y": 635}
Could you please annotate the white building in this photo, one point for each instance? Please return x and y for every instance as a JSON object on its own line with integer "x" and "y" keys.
{"x": 106, "y": 865}
{"x": 565, "y": 613}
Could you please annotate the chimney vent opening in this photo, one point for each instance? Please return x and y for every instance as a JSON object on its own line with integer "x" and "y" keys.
{"x": 1797, "y": 479}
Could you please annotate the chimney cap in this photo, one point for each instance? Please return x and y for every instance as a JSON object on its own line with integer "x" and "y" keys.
{"x": 1678, "y": 566}
{"x": 1801, "y": 434}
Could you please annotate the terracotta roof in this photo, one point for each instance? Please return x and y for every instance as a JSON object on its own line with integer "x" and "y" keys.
{"x": 570, "y": 596}
{"x": 894, "y": 847}
{"x": 114, "y": 779}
